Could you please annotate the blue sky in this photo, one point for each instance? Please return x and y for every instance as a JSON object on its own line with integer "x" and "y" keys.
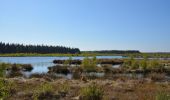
{"x": 88, "y": 24}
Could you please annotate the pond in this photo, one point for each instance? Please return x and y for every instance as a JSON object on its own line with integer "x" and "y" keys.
{"x": 41, "y": 64}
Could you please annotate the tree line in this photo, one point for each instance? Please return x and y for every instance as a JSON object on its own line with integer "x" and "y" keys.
{"x": 20, "y": 48}
{"x": 115, "y": 52}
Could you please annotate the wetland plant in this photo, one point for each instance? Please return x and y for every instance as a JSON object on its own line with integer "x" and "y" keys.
{"x": 89, "y": 65}
{"x": 44, "y": 92}
{"x": 7, "y": 88}
{"x": 92, "y": 92}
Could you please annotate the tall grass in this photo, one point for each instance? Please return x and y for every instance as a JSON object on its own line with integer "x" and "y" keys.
{"x": 45, "y": 90}
{"x": 163, "y": 96}
{"x": 92, "y": 92}
{"x": 142, "y": 64}
{"x": 6, "y": 89}
{"x": 89, "y": 65}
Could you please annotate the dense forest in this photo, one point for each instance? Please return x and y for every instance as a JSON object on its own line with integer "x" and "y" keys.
{"x": 20, "y": 48}
{"x": 114, "y": 51}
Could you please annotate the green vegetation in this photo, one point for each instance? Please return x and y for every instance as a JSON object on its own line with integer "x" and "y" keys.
{"x": 91, "y": 54}
{"x": 89, "y": 65}
{"x": 44, "y": 91}
{"x": 92, "y": 92}
{"x": 15, "y": 69}
{"x": 6, "y": 89}
{"x": 68, "y": 62}
{"x": 20, "y": 48}
{"x": 150, "y": 55}
{"x": 3, "y": 67}
{"x": 163, "y": 96}
{"x": 37, "y": 55}
{"x": 64, "y": 89}
{"x": 143, "y": 64}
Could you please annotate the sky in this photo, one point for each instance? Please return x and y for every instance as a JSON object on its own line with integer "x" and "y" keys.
{"x": 88, "y": 24}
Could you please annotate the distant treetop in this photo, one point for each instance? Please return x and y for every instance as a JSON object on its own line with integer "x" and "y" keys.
{"x": 115, "y": 51}
{"x": 20, "y": 48}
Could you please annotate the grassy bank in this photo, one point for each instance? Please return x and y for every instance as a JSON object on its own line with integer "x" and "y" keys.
{"x": 136, "y": 55}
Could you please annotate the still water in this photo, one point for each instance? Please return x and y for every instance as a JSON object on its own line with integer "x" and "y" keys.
{"x": 41, "y": 64}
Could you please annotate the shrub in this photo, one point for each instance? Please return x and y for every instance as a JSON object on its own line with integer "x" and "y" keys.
{"x": 92, "y": 92}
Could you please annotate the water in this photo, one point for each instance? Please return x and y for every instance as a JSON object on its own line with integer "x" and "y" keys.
{"x": 41, "y": 64}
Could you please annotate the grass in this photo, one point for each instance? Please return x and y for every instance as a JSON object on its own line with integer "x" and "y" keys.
{"x": 53, "y": 55}
{"x": 43, "y": 92}
{"x": 6, "y": 89}
{"x": 143, "y": 64}
{"x": 3, "y": 67}
{"x": 89, "y": 65}
{"x": 163, "y": 96}
{"x": 64, "y": 89}
{"x": 136, "y": 55}
{"x": 92, "y": 92}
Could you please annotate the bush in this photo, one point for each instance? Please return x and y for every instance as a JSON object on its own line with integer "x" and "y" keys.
{"x": 92, "y": 92}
